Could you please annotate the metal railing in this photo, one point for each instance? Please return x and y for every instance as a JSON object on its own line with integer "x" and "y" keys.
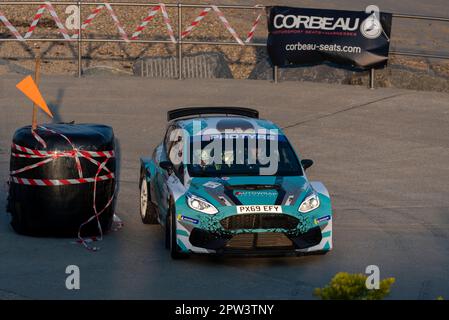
{"x": 179, "y": 41}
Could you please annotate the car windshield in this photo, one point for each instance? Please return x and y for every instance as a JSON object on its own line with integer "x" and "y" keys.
{"x": 249, "y": 155}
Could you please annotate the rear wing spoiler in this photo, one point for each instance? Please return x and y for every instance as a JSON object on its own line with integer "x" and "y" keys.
{"x": 184, "y": 112}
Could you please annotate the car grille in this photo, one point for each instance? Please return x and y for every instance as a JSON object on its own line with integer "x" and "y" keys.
{"x": 259, "y": 221}
{"x": 259, "y": 241}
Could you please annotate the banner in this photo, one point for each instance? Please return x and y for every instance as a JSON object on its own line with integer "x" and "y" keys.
{"x": 300, "y": 36}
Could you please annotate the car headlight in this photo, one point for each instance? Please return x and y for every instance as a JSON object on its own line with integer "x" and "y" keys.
{"x": 201, "y": 205}
{"x": 310, "y": 203}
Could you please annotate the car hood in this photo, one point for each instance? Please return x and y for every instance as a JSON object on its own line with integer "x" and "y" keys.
{"x": 257, "y": 190}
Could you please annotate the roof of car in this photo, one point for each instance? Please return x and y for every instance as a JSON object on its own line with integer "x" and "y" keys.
{"x": 219, "y": 124}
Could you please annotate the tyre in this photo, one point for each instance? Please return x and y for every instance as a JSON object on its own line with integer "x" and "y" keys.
{"x": 147, "y": 211}
{"x": 17, "y": 221}
{"x": 170, "y": 235}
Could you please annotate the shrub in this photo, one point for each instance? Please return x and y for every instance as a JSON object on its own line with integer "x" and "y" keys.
{"x": 346, "y": 286}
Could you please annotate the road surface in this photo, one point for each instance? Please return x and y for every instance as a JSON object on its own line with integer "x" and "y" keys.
{"x": 383, "y": 154}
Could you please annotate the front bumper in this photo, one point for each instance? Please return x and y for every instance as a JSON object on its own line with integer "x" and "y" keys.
{"x": 247, "y": 235}
{"x": 255, "y": 242}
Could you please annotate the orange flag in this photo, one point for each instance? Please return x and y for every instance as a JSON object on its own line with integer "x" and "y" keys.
{"x": 30, "y": 89}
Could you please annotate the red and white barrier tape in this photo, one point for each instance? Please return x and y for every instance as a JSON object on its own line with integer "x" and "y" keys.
{"x": 117, "y": 224}
{"x": 48, "y": 6}
{"x": 30, "y": 153}
{"x": 39, "y": 139}
{"x": 145, "y": 22}
{"x": 76, "y": 156}
{"x": 117, "y": 22}
{"x": 97, "y": 213}
{"x": 10, "y": 27}
{"x": 49, "y": 156}
{"x": 58, "y": 22}
{"x": 227, "y": 25}
{"x": 195, "y": 22}
{"x": 150, "y": 17}
{"x": 35, "y": 21}
{"x": 167, "y": 23}
{"x": 59, "y": 182}
{"x": 253, "y": 29}
{"x": 89, "y": 19}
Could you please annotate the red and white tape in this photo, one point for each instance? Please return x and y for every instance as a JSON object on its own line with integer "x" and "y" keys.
{"x": 117, "y": 224}
{"x": 150, "y": 17}
{"x": 39, "y": 139}
{"x": 227, "y": 25}
{"x": 97, "y": 213}
{"x": 58, "y": 22}
{"x": 49, "y": 156}
{"x": 89, "y": 19}
{"x": 30, "y": 153}
{"x": 48, "y": 6}
{"x": 167, "y": 23}
{"x": 35, "y": 21}
{"x": 145, "y": 22}
{"x": 253, "y": 29}
{"x": 195, "y": 22}
{"x": 59, "y": 182}
{"x": 40, "y": 11}
{"x": 10, "y": 27}
{"x": 119, "y": 26}
{"x": 76, "y": 155}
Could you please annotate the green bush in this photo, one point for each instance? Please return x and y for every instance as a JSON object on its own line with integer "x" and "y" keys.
{"x": 345, "y": 286}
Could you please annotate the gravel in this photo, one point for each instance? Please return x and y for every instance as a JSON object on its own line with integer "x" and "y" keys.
{"x": 61, "y": 58}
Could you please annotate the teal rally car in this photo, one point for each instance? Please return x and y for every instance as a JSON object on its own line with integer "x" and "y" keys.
{"x": 223, "y": 181}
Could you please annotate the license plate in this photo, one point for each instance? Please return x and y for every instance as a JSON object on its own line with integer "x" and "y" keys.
{"x": 259, "y": 209}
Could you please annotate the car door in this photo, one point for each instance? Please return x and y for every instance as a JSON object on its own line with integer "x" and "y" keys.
{"x": 160, "y": 187}
{"x": 154, "y": 190}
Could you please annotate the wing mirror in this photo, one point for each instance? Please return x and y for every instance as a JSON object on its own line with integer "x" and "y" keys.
{"x": 306, "y": 163}
{"x": 167, "y": 166}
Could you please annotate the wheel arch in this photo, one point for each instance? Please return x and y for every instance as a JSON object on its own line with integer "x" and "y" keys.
{"x": 146, "y": 169}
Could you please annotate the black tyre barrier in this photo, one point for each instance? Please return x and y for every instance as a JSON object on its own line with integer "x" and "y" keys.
{"x": 56, "y": 197}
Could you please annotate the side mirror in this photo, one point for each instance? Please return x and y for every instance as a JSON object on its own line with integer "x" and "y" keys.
{"x": 306, "y": 163}
{"x": 166, "y": 165}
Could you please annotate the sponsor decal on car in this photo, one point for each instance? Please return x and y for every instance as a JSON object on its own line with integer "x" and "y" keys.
{"x": 188, "y": 219}
{"x": 259, "y": 209}
{"x": 233, "y": 136}
{"x": 322, "y": 219}
{"x": 256, "y": 193}
{"x": 212, "y": 184}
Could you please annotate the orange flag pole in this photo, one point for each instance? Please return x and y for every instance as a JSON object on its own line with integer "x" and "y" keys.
{"x": 29, "y": 88}
{"x": 36, "y": 80}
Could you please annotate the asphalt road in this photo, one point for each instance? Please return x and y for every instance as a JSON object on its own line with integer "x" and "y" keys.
{"x": 383, "y": 154}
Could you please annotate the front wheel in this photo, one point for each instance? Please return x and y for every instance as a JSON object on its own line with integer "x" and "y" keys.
{"x": 170, "y": 238}
{"x": 147, "y": 211}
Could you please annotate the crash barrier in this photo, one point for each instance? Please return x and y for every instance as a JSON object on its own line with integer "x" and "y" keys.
{"x": 62, "y": 181}
{"x": 176, "y": 39}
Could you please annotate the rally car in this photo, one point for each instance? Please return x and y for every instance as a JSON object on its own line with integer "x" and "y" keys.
{"x": 211, "y": 187}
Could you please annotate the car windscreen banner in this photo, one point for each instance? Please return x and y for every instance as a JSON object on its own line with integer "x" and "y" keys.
{"x": 300, "y": 36}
